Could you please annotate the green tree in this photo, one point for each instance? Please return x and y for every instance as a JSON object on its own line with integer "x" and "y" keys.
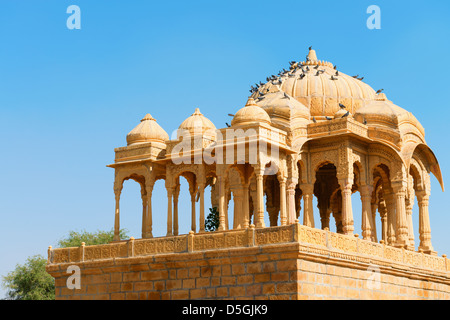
{"x": 74, "y": 239}
{"x": 32, "y": 282}
{"x": 212, "y": 220}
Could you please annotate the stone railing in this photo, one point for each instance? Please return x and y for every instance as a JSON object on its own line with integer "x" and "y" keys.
{"x": 336, "y": 126}
{"x": 311, "y": 240}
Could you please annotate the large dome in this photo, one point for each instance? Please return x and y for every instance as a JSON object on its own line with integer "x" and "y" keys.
{"x": 316, "y": 85}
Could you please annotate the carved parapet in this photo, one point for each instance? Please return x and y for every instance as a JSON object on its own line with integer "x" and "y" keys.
{"x": 311, "y": 240}
{"x": 336, "y": 127}
{"x": 141, "y": 151}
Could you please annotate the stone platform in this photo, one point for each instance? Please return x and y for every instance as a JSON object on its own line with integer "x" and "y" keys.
{"x": 287, "y": 262}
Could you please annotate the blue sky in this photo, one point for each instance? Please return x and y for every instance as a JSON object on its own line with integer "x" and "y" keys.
{"x": 69, "y": 97}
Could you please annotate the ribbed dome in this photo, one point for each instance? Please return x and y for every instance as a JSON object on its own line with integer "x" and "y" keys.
{"x": 315, "y": 84}
{"x": 283, "y": 110}
{"x": 382, "y": 112}
{"x": 251, "y": 113}
{"x": 197, "y": 123}
{"x": 146, "y": 131}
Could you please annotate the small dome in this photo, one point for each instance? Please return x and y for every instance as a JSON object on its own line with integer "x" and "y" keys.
{"x": 342, "y": 112}
{"x": 383, "y": 112}
{"x": 146, "y": 131}
{"x": 284, "y": 111}
{"x": 251, "y": 113}
{"x": 197, "y": 123}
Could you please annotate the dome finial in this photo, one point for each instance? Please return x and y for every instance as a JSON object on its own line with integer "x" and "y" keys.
{"x": 311, "y": 55}
{"x": 197, "y": 112}
{"x": 250, "y": 102}
{"x": 148, "y": 116}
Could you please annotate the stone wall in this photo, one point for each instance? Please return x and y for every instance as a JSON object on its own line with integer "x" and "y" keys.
{"x": 289, "y": 262}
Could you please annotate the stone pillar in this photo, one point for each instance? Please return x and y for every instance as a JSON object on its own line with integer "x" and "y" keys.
{"x": 390, "y": 217}
{"x": 424, "y": 222}
{"x": 347, "y": 212}
{"x": 373, "y": 222}
{"x": 402, "y": 232}
{"x": 201, "y": 188}
{"x": 222, "y": 202}
{"x": 259, "y": 216}
{"x": 144, "y": 215}
{"x": 245, "y": 206}
{"x": 308, "y": 213}
{"x": 193, "y": 222}
{"x": 283, "y": 211}
{"x": 366, "y": 199}
{"x": 298, "y": 207}
{"x": 290, "y": 191}
{"x": 383, "y": 216}
{"x": 170, "y": 191}
{"x": 149, "y": 218}
{"x": 238, "y": 203}
{"x": 117, "y": 192}
{"x": 409, "y": 210}
{"x": 176, "y": 193}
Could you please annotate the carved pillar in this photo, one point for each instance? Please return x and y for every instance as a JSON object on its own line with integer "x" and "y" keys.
{"x": 347, "y": 212}
{"x": 238, "y": 199}
{"x": 147, "y": 210}
{"x": 259, "y": 217}
{"x": 390, "y": 217}
{"x": 298, "y": 207}
{"x": 117, "y": 192}
{"x": 424, "y": 222}
{"x": 176, "y": 193}
{"x": 290, "y": 191}
{"x": 246, "y": 206}
{"x": 222, "y": 202}
{"x": 366, "y": 199}
{"x": 201, "y": 188}
{"x": 283, "y": 209}
{"x": 170, "y": 191}
{"x": 193, "y": 224}
{"x": 373, "y": 222}
{"x": 308, "y": 213}
{"x": 149, "y": 217}
{"x": 383, "y": 215}
{"x": 409, "y": 210}
{"x": 402, "y": 232}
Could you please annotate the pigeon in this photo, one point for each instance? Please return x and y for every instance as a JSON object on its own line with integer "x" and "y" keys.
{"x": 355, "y": 76}
{"x": 260, "y": 98}
{"x": 342, "y": 106}
{"x": 302, "y": 76}
{"x": 333, "y": 78}
{"x": 285, "y": 96}
{"x": 360, "y": 79}
{"x": 314, "y": 120}
{"x": 310, "y": 48}
{"x": 337, "y": 73}
{"x": 364, "y": 121}
{"x": 335, "y": 67}
{"x": 379, "y": 91}
{"x": 316, "y": 67}
{"x": 346, "y": 114}
{"x": 328, "y": 118}
{"x": 307, "y": 68}
{"x": 227, "y": 124}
